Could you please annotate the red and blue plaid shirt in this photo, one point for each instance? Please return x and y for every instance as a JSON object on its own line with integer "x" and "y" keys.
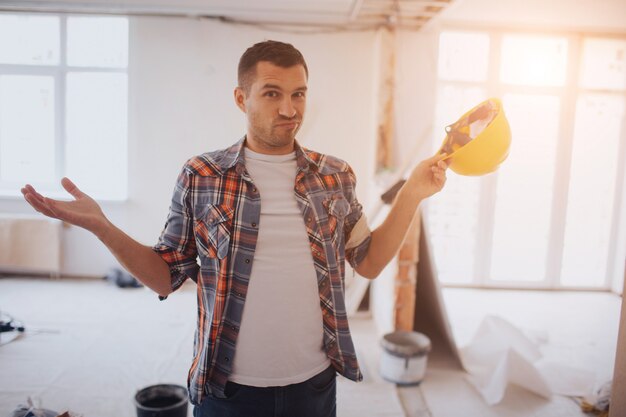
{"x": 214, "y": 217}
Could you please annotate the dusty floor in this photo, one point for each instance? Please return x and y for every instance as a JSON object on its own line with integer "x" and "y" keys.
{"x": 576, "y": 328}
{"x": 111, "y": 342}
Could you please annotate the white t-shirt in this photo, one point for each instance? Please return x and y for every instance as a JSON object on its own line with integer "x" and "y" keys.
{"x": 280, "y": 339}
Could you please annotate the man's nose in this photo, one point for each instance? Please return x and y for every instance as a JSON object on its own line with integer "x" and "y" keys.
{"x": 287, "y": 109}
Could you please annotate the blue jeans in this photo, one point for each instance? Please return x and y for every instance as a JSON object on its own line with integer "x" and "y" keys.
{"x": 315, "y": 397}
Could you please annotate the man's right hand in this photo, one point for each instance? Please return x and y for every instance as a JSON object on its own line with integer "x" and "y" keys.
{"x": 83, "y": 211}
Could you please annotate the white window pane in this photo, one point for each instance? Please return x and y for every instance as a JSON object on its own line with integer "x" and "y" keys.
{"x": 592, "y": 189}
{"x": 453, "y": 228}
{"x": 97, "y": 42}
{"x": 452, "y": 103}
{"x": 524, "y": 189}
{"x": 453, "y": 213}
{"x": 533, "y": 60}
{"x": 96, "y": 152}
{"x": 27, "y": 145}
{"x": 604, "y": 64}
{"x": 463, "y": 56}
{"x": 29, "y": 40}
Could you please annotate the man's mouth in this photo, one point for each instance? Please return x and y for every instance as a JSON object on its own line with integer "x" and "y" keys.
{"x": 288, "y": 125}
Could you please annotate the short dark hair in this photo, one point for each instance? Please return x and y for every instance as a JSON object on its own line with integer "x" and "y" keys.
{"x": 280, "y": 54}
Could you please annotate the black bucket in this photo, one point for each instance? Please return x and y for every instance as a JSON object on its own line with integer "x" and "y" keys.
{"x": 163, "y": 400}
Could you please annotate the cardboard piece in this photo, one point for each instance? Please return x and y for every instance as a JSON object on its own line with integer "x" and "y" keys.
{"x": 430, "y": 313}
{"x": 499, "y": 353}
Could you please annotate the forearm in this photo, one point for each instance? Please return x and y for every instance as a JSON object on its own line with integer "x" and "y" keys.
{"x": 139, "y": 260}
{"x": 387, "y": 238}
{"x": 426, "y": 179}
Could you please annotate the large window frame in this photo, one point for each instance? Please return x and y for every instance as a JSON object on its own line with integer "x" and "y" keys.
{"x": 59, "y": 73}
{"x": 567, "y": 95}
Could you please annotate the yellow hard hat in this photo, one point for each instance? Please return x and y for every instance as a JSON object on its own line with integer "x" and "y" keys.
{"x": 479, "y": 141}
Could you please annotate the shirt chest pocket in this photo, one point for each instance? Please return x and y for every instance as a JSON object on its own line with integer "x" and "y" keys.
{"x": 338, "y": 208}
{"x": 212, "y": 229}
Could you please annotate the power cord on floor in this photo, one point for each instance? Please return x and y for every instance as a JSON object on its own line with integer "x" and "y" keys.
{"x": 15, "y": 328}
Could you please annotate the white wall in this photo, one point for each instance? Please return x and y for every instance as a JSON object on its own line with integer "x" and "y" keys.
{"x": 181, "y": 76}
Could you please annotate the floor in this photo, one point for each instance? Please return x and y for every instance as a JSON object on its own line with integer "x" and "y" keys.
{"x": 100, "y": 344}
{"x": 108, "y": 342}
{"x": 576, "y": 328}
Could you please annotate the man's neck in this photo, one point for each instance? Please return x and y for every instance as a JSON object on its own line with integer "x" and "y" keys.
{"x": 258, "y": 147}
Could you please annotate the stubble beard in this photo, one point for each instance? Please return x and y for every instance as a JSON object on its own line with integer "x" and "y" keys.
{"x": 272, "y": 137}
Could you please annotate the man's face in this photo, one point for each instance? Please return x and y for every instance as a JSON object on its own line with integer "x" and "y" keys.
{"x": 274, "y": 106}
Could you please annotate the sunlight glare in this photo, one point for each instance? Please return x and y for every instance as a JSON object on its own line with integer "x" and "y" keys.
{"x": 533, "y": 60}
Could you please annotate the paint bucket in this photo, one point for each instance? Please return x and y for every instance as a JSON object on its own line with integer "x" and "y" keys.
{"x": 404, "y": 357}
{"x": 163, "y": 400}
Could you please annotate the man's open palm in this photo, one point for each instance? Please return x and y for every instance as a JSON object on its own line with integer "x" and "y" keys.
{"x": 83, "y": 211}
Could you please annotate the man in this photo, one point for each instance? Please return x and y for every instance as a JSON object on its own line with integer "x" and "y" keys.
{"x": 272, "y": 224}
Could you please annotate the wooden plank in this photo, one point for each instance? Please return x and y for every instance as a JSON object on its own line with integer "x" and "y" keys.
{"x": 384, "y": 145}
{"x": 406, "y": 278}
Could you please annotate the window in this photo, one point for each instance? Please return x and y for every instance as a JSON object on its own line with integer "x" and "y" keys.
{"x": 533, "y": 60}
{"x": 546, "y": 218}
{"x": 64, "y": 103}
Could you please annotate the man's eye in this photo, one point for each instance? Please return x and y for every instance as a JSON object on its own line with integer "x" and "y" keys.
{"x": 271, "y": 94}
{"x": 299, "y": 94}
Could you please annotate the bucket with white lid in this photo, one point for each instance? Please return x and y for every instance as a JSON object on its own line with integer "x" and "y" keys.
{"x": 404, "y": 357}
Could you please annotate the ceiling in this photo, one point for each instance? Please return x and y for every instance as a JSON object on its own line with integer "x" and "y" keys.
{"x": 349, "y": 14}
{"x": 605, "y": 16}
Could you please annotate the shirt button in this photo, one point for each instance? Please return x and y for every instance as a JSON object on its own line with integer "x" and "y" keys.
{"x": 253, "y": 224}
{"x": 254, "y": 190}
{"x": 247, "y": 261}
{"x": 308, "y": 220}
{"x": 226, "y": 359}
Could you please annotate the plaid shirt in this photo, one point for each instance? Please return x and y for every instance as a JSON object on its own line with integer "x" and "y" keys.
{"x": 214, "y": 215}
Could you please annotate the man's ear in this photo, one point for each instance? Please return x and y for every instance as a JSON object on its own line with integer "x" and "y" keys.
{"x": 240, "y": 98}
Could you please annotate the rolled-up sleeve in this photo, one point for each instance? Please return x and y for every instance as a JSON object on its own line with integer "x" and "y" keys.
{"x": 356, "y": 230}
{"x": 177, "y": 244}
